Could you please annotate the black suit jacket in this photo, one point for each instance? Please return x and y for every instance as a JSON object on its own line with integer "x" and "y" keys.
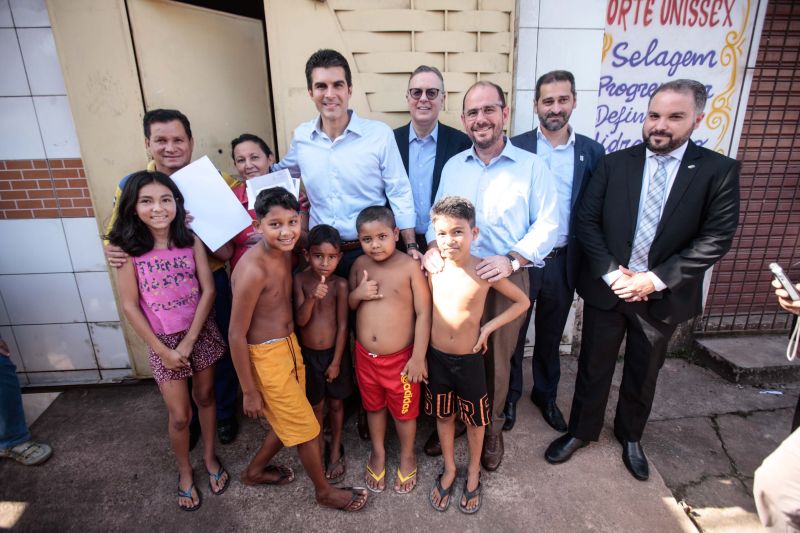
{"x": 449, "y": 142}
{"x": 587, "y": 154}
{"x": 694, "y": 232}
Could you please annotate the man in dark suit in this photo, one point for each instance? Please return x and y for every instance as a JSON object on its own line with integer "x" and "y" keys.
{"x": 653, "y": 219}
{"x": 571, "y": 158}
{"x": 425, "y": 143}
{"x": 425, "y": 146}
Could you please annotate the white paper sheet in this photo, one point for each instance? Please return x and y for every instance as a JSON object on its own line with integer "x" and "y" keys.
{"x": 282, "y": 178}
{"x": 218, "y": 214}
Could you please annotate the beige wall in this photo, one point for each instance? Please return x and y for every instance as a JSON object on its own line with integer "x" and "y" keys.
{"x": 97, "y": 60}
{"x": 384, "y": 40}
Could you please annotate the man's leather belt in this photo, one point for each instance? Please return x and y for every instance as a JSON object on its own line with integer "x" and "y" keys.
{"x": 556, "y": 252}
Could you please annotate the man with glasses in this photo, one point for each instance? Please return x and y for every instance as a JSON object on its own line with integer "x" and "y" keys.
{"x": 425, "y": 143}
{"x": 517, "y": 215}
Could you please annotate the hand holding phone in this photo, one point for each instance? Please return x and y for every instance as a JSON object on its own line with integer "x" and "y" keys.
{"x": 781, "y": 278}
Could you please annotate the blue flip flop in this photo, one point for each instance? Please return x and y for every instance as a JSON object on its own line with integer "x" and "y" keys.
{"x": 188, "y": 494}
{"x": 221, "y": 472}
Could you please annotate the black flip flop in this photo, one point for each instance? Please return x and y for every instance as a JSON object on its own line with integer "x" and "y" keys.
{"x": 442, "y": 493}
{"x": 470, "y": 495}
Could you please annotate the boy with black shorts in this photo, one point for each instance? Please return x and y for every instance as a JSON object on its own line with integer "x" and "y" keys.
{"x": 457, "y": 383}
{"x": 320, "y": 306}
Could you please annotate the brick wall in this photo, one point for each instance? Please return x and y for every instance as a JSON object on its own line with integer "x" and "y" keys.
{"x": 44, "y": 188}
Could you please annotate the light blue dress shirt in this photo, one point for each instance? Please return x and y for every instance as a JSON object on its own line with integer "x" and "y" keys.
{"x": 515, "y": 201}
{"x": 561, "y": 162}
{"x": 421, "y": 160}
{"x": 360, "y": 168}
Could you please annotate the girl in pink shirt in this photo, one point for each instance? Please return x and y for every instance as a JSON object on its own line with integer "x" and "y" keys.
{"x": 167, "y": 294}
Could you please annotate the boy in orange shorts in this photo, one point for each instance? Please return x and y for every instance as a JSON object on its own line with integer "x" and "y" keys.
{"x": 393, "y": 323}
{"x": 267, "y": 356}
{"x": 457, "y": 377}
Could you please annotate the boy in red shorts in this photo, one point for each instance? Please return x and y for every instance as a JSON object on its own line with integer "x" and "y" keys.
{"x": 457, "y": 383}
{"x": 393, "y": 323}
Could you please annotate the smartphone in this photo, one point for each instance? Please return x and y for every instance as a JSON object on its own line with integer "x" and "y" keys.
{"x": 787, "y": 285}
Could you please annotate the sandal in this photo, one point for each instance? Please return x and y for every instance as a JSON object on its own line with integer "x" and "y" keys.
{"x": 188, "y": 494}
{"x": 221, "y": 472}
{"x": 442, "y": 493}
{"x": 377, "y": 478}
{"x": 404, "y": 479}
{"x": 354, "y": 504}
{"x": 329, "y": 466}
{"x": 462, "y": 505}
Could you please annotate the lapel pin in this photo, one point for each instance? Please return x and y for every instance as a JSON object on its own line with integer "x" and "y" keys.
{"x": 581, "y": 157}
{"x": 690, "y": 166}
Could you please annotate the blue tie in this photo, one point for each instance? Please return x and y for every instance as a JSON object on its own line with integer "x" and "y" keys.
{"x": 650, "y": 216}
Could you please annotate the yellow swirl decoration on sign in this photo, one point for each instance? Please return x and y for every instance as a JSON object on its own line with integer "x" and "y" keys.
{"x": 608, "y": 40}
{"x": 720, "y": 115}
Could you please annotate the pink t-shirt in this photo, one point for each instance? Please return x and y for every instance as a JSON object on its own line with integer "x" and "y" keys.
{"x": 168, "y": 288}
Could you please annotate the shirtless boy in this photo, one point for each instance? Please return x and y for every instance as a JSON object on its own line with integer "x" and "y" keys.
{"x": 458, "y": 382}
{"x": 267, "y": 356}
{"x": 320, "y": 303}
{"x": 393, "y": 325}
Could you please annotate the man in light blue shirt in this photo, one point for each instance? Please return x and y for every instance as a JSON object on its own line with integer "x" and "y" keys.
{"x": 517, "y": 213}
{"x": 347, "y": 163}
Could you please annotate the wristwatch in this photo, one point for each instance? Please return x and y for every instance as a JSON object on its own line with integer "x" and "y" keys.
{"x": 514, "y": 262}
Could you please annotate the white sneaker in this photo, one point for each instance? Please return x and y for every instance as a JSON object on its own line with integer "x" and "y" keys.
{"x": 29, "y": 453}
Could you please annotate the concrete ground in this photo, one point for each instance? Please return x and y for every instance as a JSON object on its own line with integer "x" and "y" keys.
{"x": 112, "y": 470}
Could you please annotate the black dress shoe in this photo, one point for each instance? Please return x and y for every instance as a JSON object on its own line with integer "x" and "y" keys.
{"x": 561, "y": 449}
{"x": 227, "y": 430}
{"x": 551, "y": 414}
{"x": 635, "y": 460}
{"x": 510, "y": 412}
{"x": 194, "y": 433}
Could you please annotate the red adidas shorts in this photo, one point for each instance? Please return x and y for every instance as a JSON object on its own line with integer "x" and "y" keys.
{"x": 382, "y": 385}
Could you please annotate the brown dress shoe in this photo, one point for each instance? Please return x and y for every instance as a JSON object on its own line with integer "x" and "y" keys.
{"x": 492, "y": 453}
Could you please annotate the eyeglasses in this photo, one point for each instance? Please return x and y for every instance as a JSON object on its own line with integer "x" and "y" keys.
{"x": 487, "y": 110}
{"x": 430, "y": 94}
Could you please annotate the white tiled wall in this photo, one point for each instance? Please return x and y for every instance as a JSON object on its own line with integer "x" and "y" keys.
{"x": 35, "y": 121}
{"x": 58, "y": 312}
{"x": 57, "y": 308}
{"x": 563, "y": 35}
{"x": 550, "y": 37}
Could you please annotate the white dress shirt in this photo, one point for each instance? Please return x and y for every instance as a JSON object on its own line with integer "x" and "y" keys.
{"x": 515, "y": 201}
{"x": 360, "y": 168}
{"x": 650, "y": 167}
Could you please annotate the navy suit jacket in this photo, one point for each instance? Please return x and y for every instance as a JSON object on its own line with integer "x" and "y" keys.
{"x": 449, "y": 142}
{"x": 695, "y": 230}
{"x": 587, "y": 154}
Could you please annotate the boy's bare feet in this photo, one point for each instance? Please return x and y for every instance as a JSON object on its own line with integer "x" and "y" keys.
{"x": 271, "y": 475}
{"x": 347, "y": 498}
{"x": 442, "y": 491}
